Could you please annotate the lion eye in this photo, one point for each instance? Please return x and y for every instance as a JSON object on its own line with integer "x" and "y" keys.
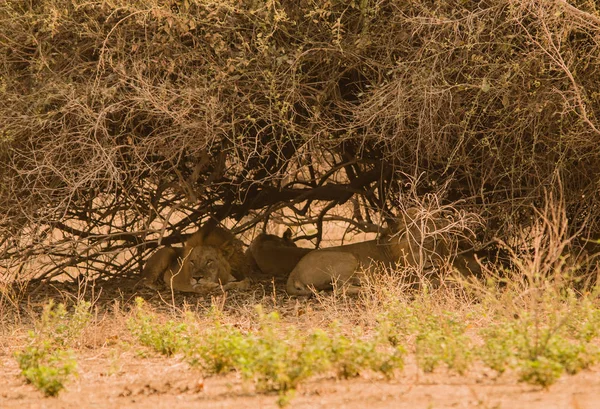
{"x": 209, "y": 263}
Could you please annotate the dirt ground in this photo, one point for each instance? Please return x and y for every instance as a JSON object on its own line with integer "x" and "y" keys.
{"x": 113, "y": 376}
{"x": 126, "y": 381}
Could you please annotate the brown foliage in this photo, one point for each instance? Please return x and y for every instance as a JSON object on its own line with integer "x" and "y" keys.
{"x": 118, "y": 116}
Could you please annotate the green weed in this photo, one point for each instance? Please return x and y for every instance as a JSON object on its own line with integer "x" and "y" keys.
{"x": 277, "y": 357}
{"x": 62, "y": 327}
{"x": 541, "y": 347}
{"x": 46, "y": 362}
{"x": 46, "y": 366}
{"x": 498, "y": 349}
{"x": 442, "y": 338}
{"x": 166, "y": 338}
{"x": 351, "y": 356}
{"x": 439, "y": 337}
{"x": 223, "y": 348}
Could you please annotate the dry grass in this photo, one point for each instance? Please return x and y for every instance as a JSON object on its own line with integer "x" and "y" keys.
{"x": 534, "y": 321}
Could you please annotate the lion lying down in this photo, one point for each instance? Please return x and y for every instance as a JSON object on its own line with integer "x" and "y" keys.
{"x": 210, "y": 259}
{"x": 412, "y": 245}
{"x": 343, "y": 265}
{"x": 275, "y": 256}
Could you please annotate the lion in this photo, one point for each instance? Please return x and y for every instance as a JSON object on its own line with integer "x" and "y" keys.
{"x": 210, "y": 258}
{"x": 208, "y": 270}
{"x": 233, "y": 249}
{"x": 415, "y": 244}
{"x": 320, "y": 269}
{"x": 211, "y": 270}
{"x": 275, "y": 256}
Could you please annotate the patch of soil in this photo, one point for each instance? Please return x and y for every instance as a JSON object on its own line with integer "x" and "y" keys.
{"x": 127, "y": 381}
{"x": 113, "y": 376}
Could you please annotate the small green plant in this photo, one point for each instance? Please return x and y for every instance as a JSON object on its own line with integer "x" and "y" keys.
{"x": 573, "y": 355}
{"x": 498, "y": 349}
{"x": 351, "y": 356}
{"x": 442, "y": 338}
{"x": 541, "y": 349}
{"x": 274, "y": 358}
{"x": 277, "y": 357}
{"x": 46, "y": 362}
{"x": 166, "y": 338}
{"x": 222, "y": 349}
{"x": 281, "y": 357}
{"x": 540, "y": 371}
{"x": 544, "y": 360}
{"x": 62, "y": 327}
{"x": 439, "y": 337}
{"x": 46, "y": 366}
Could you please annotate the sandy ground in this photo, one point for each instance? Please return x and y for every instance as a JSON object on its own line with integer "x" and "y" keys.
{"x": 113, "y": 375}
{"x": 126, "y": 381}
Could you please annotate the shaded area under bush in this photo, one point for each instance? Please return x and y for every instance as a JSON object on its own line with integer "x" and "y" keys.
{"x": 116, "y": 116}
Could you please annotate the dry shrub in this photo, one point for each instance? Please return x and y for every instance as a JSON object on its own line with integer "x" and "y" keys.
{"x": 119, "y": 114}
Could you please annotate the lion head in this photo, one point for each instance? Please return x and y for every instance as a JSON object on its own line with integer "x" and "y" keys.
{"x": 208, "y": 264}
{"x": 223, "y": 240}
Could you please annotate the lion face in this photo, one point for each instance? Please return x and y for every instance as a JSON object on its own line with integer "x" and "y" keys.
{"x": 227, "y": 244}
{"x": 207, "y": 264}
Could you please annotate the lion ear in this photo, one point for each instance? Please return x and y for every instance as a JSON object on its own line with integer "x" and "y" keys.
{"x": 287, "y": 235}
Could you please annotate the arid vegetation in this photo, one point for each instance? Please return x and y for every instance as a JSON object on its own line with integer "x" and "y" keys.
{"x": 531, "y": 332}
{"x": 125, "y": 123}
{"x": 528, "y": 324}
{"x": 128, "y": 126}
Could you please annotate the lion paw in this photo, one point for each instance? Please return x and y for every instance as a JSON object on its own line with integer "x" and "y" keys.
{"x": 238, "y": 285}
